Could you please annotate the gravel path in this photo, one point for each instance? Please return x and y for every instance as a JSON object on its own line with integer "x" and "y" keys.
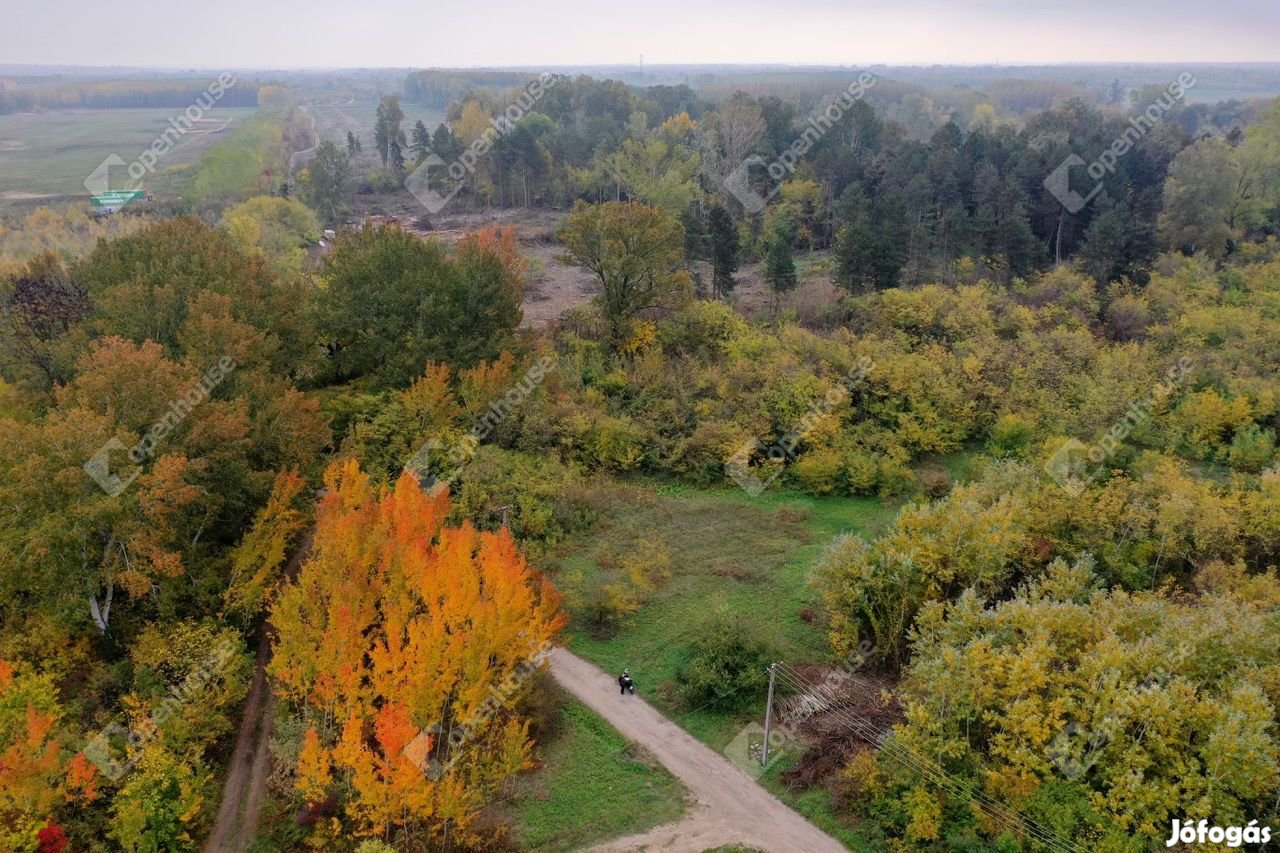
{"x": 731, "y": 808}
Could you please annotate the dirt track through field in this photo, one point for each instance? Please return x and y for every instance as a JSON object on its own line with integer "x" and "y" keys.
{"x": 730, "y": 807}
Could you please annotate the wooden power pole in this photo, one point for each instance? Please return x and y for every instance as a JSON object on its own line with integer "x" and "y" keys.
{"x": 768, "y": 717}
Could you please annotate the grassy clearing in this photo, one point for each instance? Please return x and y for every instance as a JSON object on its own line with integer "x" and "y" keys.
{"x": 593, "y": 786}
{"x": 52, "y": 153}
{"x": 963, "y": 466}
{"x": 751, "y": 557}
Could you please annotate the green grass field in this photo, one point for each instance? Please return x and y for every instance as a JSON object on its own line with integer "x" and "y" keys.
{"x": 50, "y": 154}
{"x": 748, "y": 556}
{"x": 593, "y": 786}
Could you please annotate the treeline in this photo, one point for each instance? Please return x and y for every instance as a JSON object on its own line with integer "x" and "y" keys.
{"x": 438, "y": 88}
{"x": 907, "y": 209}
{"x": 115, "y": 94}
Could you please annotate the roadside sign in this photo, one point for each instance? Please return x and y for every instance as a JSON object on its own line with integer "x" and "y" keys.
{"x": 115, "y": 198}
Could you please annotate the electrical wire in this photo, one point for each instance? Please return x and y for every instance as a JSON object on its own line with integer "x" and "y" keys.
{"x": 868, "y": 731}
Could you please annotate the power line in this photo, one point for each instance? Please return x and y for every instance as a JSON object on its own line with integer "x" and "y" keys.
{"x": 939, "y": 776}
{"x": 868, "y": 731}
{"x": 934, "y": 773}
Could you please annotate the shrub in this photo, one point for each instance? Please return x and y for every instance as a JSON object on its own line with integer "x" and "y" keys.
{"x": 610, "y": 604}
{"x": 701, "y": 457}
{"x": 379, "y": 181}
{"x": 538, "y": 498}
{"x": 819, "y": 471}
{"x": 1128, "y": 318}
{"x": 896, "y": 477}
{"x": 616, "y": 444}
{"x": 647, "y": 566}
{"x": 1010, "y": 436}
{"x": 862, "y": 471}
{"x": 1252, "y": 448}
{"x": 727, "y": 666}
{"x": 935, "y": 482}
{"x": 375, "y": 846}
{"x": 636, "y": 574}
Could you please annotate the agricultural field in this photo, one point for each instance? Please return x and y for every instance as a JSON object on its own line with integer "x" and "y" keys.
{"x": 45, "y": 157}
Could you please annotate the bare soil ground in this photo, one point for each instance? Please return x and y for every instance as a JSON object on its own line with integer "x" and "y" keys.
{"x": 812, "y": 296}
{"x": 552, "y": 286}
{"x": 826, "y": 732}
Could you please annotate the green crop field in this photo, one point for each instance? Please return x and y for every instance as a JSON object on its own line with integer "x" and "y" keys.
{"x": 49, "y": 154}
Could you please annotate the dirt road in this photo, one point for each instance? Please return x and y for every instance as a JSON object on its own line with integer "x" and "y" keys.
{"x": 299, "y": 158}
{"x": 242, "y": 794}
{"x": 245, "y": 789}
{"x": 731, "y": 808}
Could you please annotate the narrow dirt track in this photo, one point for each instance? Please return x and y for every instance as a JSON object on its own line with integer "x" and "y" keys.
{"x": 234, "y": 828}
{"x": 245, "y": 788}
{"x": 731, "y": 808}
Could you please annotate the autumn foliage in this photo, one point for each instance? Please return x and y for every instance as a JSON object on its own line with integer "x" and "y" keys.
{"x": 402, "y": 643}
{"x": 38, "y": 773}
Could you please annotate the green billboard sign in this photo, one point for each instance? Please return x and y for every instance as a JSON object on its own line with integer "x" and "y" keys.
{"x": 115, "y": 198}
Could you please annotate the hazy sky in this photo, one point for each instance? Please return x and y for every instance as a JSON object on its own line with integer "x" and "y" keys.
{"x": 327, "y": 33}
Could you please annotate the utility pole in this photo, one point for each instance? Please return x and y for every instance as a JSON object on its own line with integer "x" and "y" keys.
{"x": 768, "y": 717}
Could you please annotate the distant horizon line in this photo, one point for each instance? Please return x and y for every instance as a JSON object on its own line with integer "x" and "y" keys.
{"x": 52, "y": 66}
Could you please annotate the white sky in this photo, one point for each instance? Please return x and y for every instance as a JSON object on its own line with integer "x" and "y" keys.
{"x": 381, "y": 33}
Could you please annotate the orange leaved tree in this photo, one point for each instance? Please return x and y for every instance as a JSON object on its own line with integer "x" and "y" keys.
{"x": 39, "y": 775}
{"x": 405, "y": 644}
